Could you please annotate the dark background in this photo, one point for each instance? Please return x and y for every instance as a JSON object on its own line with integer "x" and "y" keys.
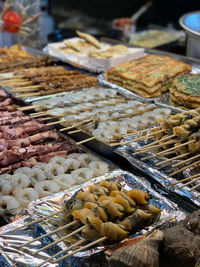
{"x": 161, "y": 12}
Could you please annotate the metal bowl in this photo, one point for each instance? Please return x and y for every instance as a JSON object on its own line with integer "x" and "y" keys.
{"x": 190, "y": 22}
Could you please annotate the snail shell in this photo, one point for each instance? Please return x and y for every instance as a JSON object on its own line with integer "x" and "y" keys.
{"x": 143, "y": 254}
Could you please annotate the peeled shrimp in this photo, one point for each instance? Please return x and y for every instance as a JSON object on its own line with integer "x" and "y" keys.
{"x": 55, "y": 169}
{"x": 5, "y": 187}
{"x": 103, "y": 135}
{"x": 84, "y": 159}
{"x": 99, "y": 167}
{"x": 71, "y": 164}
{"x": 8, "y": 203}
{"x": 36, "y": 175}
{"x": 6, "y": 176}
{"x": 58, "y": 160}
{"x": 83, "y": 174}
{"x": 46, "y": 188}
{"x": 20, "y": 181}
{"x": 25, "y": 196}
{"x": 64, "y": 180}
{"x": 45, "y": 169}
{"x": 24, "y": 170}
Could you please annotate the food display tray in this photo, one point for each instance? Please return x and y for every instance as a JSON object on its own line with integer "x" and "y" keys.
{"x": 160, "y": 175}
{"x": 9, "y": 242}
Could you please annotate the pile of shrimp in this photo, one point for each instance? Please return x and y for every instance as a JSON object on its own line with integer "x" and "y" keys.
{"x": 44, "y": 179}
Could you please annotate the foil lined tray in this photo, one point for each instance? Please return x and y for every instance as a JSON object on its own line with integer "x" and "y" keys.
{"x": 9, "y": 242}
{"x": 160, "y": 174}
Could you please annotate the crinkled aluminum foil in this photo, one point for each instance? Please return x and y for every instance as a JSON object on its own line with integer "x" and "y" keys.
{"x": 160, "y": 174}
{"x": 9, "y": 242}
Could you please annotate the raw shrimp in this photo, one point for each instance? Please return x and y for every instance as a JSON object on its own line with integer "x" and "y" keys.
{"x": 5, "y": 187}
{"x": 8, "y": 203}
{"x": 45, "y": 169}
{"x": 71, "y": 164}
{"x": 20, "y": 181}
{"x": 25, "y": 196}
{"x": 46, "y": 188}
{"x": 55, "y": 169}
{"x": 99, "y": 167}
{"x": 36, "y": 175}
{"x": 102, "y": 135}
{"x": 83, "y": 174}
{"x": 65, "y": 180}
{"x": 58, "y": 160}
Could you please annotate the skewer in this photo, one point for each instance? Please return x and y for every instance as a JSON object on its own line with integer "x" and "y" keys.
{"x": 195, "y": 187}
{"x": 56, "y": 122}
{"x": 174, "y": 158}
{"x": 86, "y": 140}
{"x": 157, "y": 142}
{"x": 82, "y": 248}
{"x": 27, "y": 95}
{"x": 198, "y": 195}
{"x": 59, "y": 240}
{"x": 147, "y": 136}
{"x": 48, "y": 118}
{"x": 174, "y": 148}
{"x": 28, "y": 107}
{"x": 185, "y": 161}
{"x": 153, "y": 156}
{"x": 22, "y": 90}
{"x": 188, "y": 183}
{"x": 36, "y": 221}
{"x": 27, "y": 87}
{"x": 186, "y": 179}
{"x": 67, "y": 128}
{"x": 63, "y": 251}
{"x": 48, "y": 234}
{"x": 155, "y": 146}
{"x": 184, "y": 168}
{"x": 142, "y": 131}
{"x": 38, "y": 114}
{"x": 75, "y": 131}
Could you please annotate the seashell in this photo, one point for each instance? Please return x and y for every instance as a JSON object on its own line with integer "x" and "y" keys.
{"x": 142, "y": 254}
{"x": 181, "y": 247}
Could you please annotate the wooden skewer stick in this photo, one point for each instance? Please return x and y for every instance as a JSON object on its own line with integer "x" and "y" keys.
{"x": 153, "y": 156}
{"x": 75, "y": 131}
{"x": 61, "y": 239}
{"x": 63, "y": 251}
{"x": 148, "y": 136}
{"x": 82, "y": 248}
{"x": 142, "y": 131}
{"x": 36, "y": 221}
{"x": 174, "y": 148}
{"x": 28, "y": 107}
{"x": 185, "y": 161}
{"x": 48, "y": 234}
{"x": 174, "y": 158}
{"x": 184, "y": 168}
{"x": 195, "y": 187}
{"x": 27, "y": 87}
{"x": 186, "y": 179}
{"x": 48, "y": 118}
{"x": 198, "y": 195}
{"x": 38, "y": 114}
{"x": 157, "y": 142}
{"x": 22, "y": 90}
{"x": 56, "y": 122}
{"x": 156, "y": 146}
{"x": 191, "y": 182}
{"x": 67, "y": 128}
{"x": 28, "y": 95}
{"x": 86, "y": 140}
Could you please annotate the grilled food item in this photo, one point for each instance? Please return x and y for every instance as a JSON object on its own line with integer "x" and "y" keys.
{"x": 110, "y": 52}
{"x": 185, "y": 91}
{"x": 148, "y": 76}
{"x": 89, "y": 38}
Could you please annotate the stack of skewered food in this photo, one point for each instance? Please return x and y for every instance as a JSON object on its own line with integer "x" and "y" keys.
{"x": 44, "y": 179}
{"x": 177, "y": 137}
{"x": 103, "y": 213}
{"x": 46, "y": 80}
{"x": 16, "y": 57}
{"x": 25, "y": 141}
{"x": 102, "y": 113}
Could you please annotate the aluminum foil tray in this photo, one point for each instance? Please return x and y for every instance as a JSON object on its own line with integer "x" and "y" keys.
{"x": 161, "y": 174}
{"x": 10, "y": 242}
